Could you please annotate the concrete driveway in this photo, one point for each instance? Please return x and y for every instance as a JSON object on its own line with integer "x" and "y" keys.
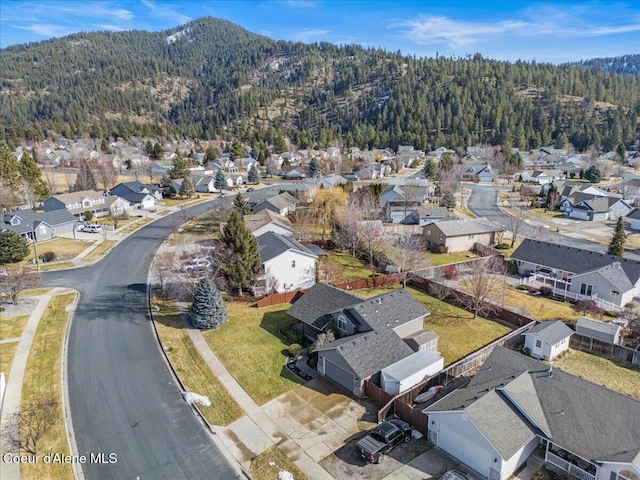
{"x": 320, "y": 417}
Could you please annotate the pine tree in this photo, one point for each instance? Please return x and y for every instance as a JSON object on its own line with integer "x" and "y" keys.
{"x": 616, "y": 247}
{"x": 9, "y": 167}
{"x": 279, "y": 144}
{"x": 179, "y": 167}
{"x": 13, "y": 247}
{"x": 237, "y": 151}
{"x": 593, "y": 174}
{"x": 254, "y": 174}
{"x": 244, "y": 261}
{"x": 220, "y": 181}
{"x": 207, "y": 310}
{"x": 167, "y": 187}
{"x": 448, "y": 200}
{"x": 187, "y": 189}
{"x": 241, "y": 205}
{"x": 31, "y": 173}
{"x": 211, "y": 154}
{"x": 430, "y": 169}
{"x": 315, "y": 168}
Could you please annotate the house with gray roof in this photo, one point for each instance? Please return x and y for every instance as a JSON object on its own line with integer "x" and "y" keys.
{"x": 578, "y": 274}
{"x": 137, "y": 193}
{"x": 547, "y": 340}
{"x": 607, "y": 332}
{"x": 593, "y": 208}
{"x": 43, "y": 226}
{"x": 515, "y": 404}
{"x": 282, "y": 204}
{"x": 286, "y": 264}
{"x": 482, "y": 173}
{"x": 460, "y": 235}
{"x": 373, "y": 333}
{"x": 268, "y": 221}
{"x": 87, "y": 200}
{"x": 398, "y": 212}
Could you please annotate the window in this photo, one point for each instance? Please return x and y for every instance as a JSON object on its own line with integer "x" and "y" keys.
{"x": 615, "y": 293}
{"x": 471, "y": 235}
{"x": 293, "y": 264}
{"x": 342, "y": 323}
{"x": 585, "y": 289}
{"x": 538, "y": 343}
{"x": 428, "y": 232}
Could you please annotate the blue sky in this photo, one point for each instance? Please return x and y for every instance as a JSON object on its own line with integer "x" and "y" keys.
{"x": 552, "y": 31}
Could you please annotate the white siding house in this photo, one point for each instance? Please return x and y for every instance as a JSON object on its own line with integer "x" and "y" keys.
{"x": 547, "y": 340}
{"x": 287, "y": 264}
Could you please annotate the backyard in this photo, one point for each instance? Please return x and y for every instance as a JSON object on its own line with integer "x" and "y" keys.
{"x": 614, "y": 375}
{"x": 251, "y": 347}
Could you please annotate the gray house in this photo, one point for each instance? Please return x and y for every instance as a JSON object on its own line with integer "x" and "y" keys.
{"x": 282, "y": 204}
{"x": 375, "y": 333}
{"x": 43, "y": 226}
{"x": 607, "y": 332}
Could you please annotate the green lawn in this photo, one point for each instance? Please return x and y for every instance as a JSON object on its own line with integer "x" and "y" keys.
{"x": 253, "y": 351}
{"x": 348, "y": 268}
{"x": 459, "y": 333}
{"x": 193, "y": 372}
{"x": 437, "y": 259}
{"x": 614, "y": 375}
{"x": 540, "y": 308}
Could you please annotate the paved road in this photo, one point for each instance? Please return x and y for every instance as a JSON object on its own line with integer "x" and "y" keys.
{"x": 116, "y": 374}
{"x": 483, "y": 203}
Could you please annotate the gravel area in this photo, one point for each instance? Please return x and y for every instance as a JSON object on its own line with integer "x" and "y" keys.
{"x": 24, "y": 307}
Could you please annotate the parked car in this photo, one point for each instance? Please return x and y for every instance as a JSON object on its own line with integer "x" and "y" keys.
{"x": 90, "y": 228}
{"x": 382, "y": 439}
{"x": 251, "y": 189}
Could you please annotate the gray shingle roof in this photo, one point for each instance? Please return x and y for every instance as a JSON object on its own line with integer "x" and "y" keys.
{"x": 283, "y": 200}
{"x": 587, "y": 419}
{"x": 264, "y": 217}
{"x": 390, "y": 310}
{"x": 550, "y": 332}
{"x": 634, "y": 214}
{"x": 605, "y": 331}
{"x": 454, "y": 228}
{"x": 319, "y": 301}
{"x": 570, "y": 259}
{"x": 30, "y": 219}
{"x": 270, "y": 245}
{"x": 615, "y": 274}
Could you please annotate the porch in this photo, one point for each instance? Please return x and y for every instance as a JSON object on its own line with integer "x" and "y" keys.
{"x": 570, "y": 463}
{"x": 560, "y": 287}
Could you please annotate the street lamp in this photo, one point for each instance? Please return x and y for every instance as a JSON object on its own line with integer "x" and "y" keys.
{"x": 35, "y": 248}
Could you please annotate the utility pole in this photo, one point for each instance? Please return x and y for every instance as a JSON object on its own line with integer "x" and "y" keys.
{"x": 35, "y": 249}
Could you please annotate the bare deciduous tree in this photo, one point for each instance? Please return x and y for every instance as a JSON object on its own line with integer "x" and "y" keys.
{"x": 106, "y": 175}
{"x": 51, "y": 180}
{"x": 516, "y": 223}
{"x": 17, "y": 280}
{"x": 483, "y": 284}
{"x": 23, "y": 430}
{"x": 411, "y": 254}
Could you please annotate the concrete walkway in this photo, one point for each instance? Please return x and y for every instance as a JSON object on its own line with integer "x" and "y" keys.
{"x": 10, "y": 340}
{"x": 13, "y": 392}
{"x": 256, "y": 431}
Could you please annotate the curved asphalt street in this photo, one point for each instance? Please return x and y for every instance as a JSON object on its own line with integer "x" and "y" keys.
{"x": 123, "y": 399}
{"x": 483, "y": 202}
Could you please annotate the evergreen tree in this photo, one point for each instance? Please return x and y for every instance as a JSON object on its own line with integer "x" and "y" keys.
{"x": 13, "y": 247}
{"x": 187, "y": 189}
{"x": 31, "y": 173}
{"x": 254, "y": 174}
{"x": 244, "y": 261}
{"x": 211, "y": 154}
{"x": 448, "y": 200}
{"x": 430, "y": 169}
{"x": 179, "y": 167}
{"x": 237, "y": 151}
{"x": 220, "y": 180}
{"x": 85, "y": 180}
{"x": 241, "y": 205}
{"x": 621, "y": 152}
{"x": 207, "y": 310}
{"x": 271, "y": 167}
{"x": 9, "y": 167}
{"x": 167, "y": 187}
{"x": 315, "y": 168}
{"x": 279, "y": 144}
{"x": 616, "y": 247}
{"x": 593, "y": 174}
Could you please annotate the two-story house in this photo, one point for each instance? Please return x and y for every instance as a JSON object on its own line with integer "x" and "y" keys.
{"x": 87, "y": 200}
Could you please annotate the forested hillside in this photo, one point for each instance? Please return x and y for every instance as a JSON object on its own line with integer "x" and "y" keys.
{"x": 211, "y": 77}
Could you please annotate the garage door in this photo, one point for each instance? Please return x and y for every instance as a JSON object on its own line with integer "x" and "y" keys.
{"x": 338, "y": 374}
{"x": 464, "y": 450}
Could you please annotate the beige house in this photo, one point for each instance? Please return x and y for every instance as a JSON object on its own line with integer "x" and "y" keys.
{"x": 460, "y": 235}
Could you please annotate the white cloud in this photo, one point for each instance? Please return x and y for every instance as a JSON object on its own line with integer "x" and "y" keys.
{"x": 309, "y": 35}
{"x": 48, "y": 30}
{"x": 166, "y": 11}
{"x": 109, "y": 27}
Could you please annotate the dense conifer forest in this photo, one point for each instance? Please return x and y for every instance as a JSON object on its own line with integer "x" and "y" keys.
{"x": 212, "y": 78}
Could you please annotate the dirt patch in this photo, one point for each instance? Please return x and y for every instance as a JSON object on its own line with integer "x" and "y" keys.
{"x": 25, "y": 306}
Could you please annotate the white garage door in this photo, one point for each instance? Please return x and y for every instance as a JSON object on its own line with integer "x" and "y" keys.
{"x": 467, "y": 452}
{"x": 338, "y": 374}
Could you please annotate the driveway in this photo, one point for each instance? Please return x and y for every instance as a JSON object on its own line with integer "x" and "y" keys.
{"x": 320, "y": 417}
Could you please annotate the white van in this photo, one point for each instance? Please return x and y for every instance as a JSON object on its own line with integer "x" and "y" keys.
{"x": 91, "y": 228}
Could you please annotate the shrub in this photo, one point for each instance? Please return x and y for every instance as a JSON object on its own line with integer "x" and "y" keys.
{"x": 295, "y": 350}
{"x": 612, "y": 313}
{"x": 450, "y": 272}
{"x": 49, "y": 256}
{"x": 88, "y": 215}
{"x": 526, "y": 288}
{"x": 293, "y": 335}
{"x": 503, "y": 246}
{"x": 546, "y": 291}
{"x": 526, "y": 351}
{"x": 512, "y": 267}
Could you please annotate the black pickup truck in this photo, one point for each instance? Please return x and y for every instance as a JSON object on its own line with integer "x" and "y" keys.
{"x": 383, "y": 438}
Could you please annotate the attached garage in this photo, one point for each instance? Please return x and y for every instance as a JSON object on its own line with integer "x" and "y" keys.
{"x": 338, "y": 374}
{"x": 464, "y": 450}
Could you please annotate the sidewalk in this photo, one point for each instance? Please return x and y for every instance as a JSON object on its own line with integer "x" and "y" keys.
{"x": 13, "y": 392}
{"x": 256, "y": 431}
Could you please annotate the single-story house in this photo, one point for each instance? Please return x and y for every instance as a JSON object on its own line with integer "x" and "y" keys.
{"x": 373, "y": 171}
{"x": 268, "y": 221}
{"x": 607, "y": 332}
{"x": 124, "y": 189}
{"x": 79, "y": 202}
{"x": 633, "y": 219}
{"x": 326, "y": 181}
{"x": 541, "y": 177}
{"x": 287, "y": 264}
{"x": 411, "y": 194}
{"x": 547, "y": 340}
{"x": 414, "y": 215}
{"x": 450, "y": 236}
{"x": 569, "y": 191}
{"x": 246, "y": 163}
{"x": 595, "y": 208}
{"x": 375, "y": 333}
{"x": 28, "y": 223}
{"x": 514, "y": 404}
{"x": 204, "y": 183}
{"x": 282, "y": 204}
{"x": 479, "y": 173}
{"x": 297, "y": 173}
{"x": 579, "y": 274}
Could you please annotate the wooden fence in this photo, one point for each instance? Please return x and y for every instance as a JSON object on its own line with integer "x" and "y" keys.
{"x": 279, "y": 298}
{"x": 609, "y": 350}
{"x": 370, "y": 282}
